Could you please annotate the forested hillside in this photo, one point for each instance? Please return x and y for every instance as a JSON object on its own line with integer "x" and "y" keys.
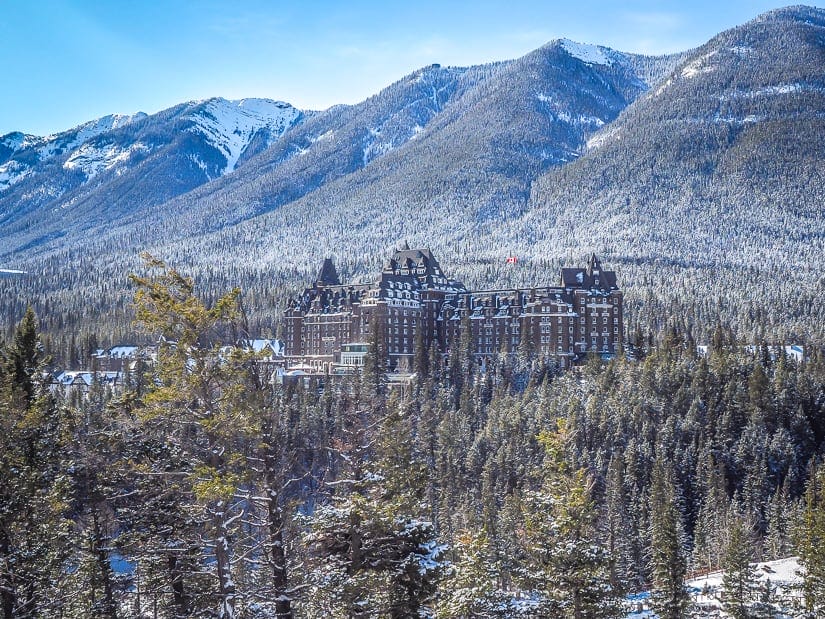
{"x": 440, "y": 148}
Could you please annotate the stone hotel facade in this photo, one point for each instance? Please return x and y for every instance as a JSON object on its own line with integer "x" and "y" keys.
{"x": 413, "y": 302}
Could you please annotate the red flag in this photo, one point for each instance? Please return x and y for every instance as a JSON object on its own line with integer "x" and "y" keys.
{"x": 511, "y": 259}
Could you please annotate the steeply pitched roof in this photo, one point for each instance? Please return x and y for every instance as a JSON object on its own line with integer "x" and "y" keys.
{"x": 328, "y": 276}
{"x": 591, "y": 277}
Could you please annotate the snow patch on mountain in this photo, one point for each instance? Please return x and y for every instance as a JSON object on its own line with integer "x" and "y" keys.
{"x": 699, "y": 66}
{"x": 772, "y": 91}
{"x": 229, "y": 126}
{"x": 562, "y": 114}
{"x": 201, "y": 164}
{"x": 67, "y": 141}
{"x": 327, "y": 135}
{"x": 589, "y": 54}
{"x": 12, "y": 172}
{"x": 91, "y": 159}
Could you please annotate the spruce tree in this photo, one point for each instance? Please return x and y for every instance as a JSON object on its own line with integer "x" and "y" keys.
{"x": 34, "y": 490}
{"x": 810, "y": 544}
{"x": 668, "y": 564}
{"x": 569, "y": 564}
{"x": 739, "y": 582}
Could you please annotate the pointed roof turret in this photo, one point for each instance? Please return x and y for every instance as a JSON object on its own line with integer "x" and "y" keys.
{"x": 594, "y": 265}
{"x": 328, "y": 276}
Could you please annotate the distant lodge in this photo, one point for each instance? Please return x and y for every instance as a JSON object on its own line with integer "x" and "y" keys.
{"x": 327, "y": 329}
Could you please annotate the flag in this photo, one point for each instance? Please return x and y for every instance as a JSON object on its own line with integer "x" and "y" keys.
{"x": 511, "y": 260}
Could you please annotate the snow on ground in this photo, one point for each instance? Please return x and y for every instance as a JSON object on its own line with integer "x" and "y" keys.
{"x": 565, "y": 116}
{"x": 590, "y": 54}
{"x": 780, "y": 575}
{"x": 770, "y": 91}
{"x": 230, "y": 125}
{"x": 699, "y": 66}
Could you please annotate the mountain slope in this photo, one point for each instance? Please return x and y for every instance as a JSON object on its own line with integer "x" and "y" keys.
{"x": 698, "y": 177}
{"x": 711, "y": 185}
{"x": 475, "y": 160}
{"x": 60, "y": 185}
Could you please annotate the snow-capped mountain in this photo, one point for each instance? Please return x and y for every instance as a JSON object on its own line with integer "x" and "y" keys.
{"x": 132, "y": 162}
{"x": 230, "y": 127}
{"x": 20, "y": 153}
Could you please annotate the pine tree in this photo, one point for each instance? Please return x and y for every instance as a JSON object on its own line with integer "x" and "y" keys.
{"x": 569, "y": 565}
{"x": 199, "y": 402}
{"x": 34, "y": 490}
{"x": 668, "y": 564}
{"x": 471, "y": 587}
{"x": 810, "y": 544}
{"x": 739, "y": 582}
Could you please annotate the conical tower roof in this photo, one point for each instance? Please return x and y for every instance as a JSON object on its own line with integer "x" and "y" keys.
{"x": 328, "y": 276}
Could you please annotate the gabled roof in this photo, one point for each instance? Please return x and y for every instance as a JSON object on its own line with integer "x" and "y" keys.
{"x": 421, "y": 264}
{"x": 589, "y": 278}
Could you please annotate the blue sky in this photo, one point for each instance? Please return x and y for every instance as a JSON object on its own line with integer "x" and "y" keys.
{"x": 64, "y": 62}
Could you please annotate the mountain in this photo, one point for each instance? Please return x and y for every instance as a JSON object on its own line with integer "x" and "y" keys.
{"x": 710, "y": 186}
{"x": 697, "y": 176}
{"x": 60, "y": 185}
{"x": 469, "y": 141}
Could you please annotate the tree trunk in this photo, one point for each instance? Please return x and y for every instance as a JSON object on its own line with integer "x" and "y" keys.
{"x": 283, "y": 608}
{"x": 226, "y": 586}
{"x": 6, "y": 585}
{"x": 102, "y": 558}
{"x": 178, "y": 593}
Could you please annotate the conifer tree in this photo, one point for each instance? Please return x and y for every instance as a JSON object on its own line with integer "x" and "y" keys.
{"x": 569, "y": 565}
{"x": 668, "y": 564}
{"x": 739, "y": 581}
{"x": 199, "y": 402}
{"x": 810, "y": 544}
{"x": 34, "y": 530}
{"x": 471, "y": 587}
{"x": 371, "y": 551}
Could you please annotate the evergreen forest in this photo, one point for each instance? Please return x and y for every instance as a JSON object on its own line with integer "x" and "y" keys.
{"x": 203, "y": 488}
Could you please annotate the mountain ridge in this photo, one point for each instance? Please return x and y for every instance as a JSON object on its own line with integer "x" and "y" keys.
{"x": 550, "y": 156}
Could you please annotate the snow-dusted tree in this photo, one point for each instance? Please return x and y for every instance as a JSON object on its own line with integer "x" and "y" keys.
{"x": 34, "y": 529}
{"x": 372, "y": 551}
{"x": 472, "y": 587}
{"x": 198, "y": 401}
{"x": 365, "y": 562}
{"x": 668, "y": 564}
{"x": 566, "y": 561}
{"x": 810, "y": 544}
{"x": 739, "y": 582}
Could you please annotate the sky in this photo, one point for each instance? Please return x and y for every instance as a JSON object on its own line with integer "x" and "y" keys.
{"x": 68, "y": 61}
